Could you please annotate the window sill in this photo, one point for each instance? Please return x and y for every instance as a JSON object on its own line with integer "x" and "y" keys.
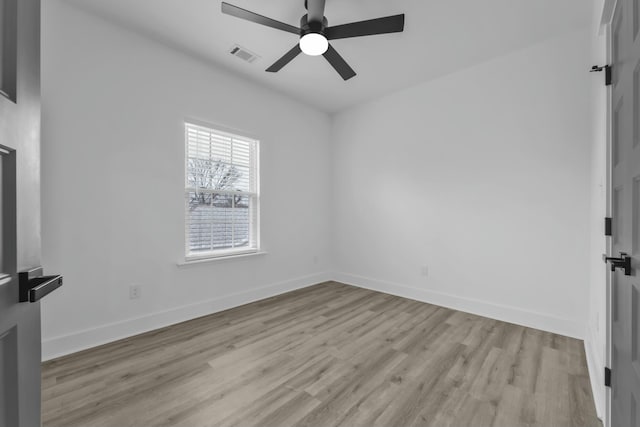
{"x": 193, "y": 262}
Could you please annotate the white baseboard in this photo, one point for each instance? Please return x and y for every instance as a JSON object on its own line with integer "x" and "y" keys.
{"x": 519, "y": 316}
{"x": 66, "y": 344}
{"x": 596, "y": 375}
{"x": 82, "y": 340}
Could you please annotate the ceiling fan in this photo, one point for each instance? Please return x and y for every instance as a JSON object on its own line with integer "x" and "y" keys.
{"x": 315, "y": 33}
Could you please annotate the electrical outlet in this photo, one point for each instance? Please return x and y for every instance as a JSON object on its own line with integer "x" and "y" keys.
{"x": 134, "y": 291}
{"x": 424, "y": 271}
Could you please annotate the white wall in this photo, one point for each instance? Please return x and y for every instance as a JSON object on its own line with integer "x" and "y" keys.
{"x": 113, "y": 150}
{"x": 484, "y": 177}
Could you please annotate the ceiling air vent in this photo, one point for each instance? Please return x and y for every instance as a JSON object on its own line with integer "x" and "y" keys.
{"x": 243, "y": 54}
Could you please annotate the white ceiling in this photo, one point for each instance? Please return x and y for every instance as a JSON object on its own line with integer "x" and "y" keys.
{"x": 440, "y": 37}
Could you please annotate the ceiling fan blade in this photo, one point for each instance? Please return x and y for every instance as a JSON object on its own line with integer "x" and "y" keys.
{"x": 288, "y": 57}
{"x": 389, "y": 24}
{"x": 238, "y": 12}
{"x": 340, "y": 65}
{"x": 315, "y": 10}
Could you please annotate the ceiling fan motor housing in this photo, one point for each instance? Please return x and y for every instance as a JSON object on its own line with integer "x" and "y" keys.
{"x": 307, "y": 27}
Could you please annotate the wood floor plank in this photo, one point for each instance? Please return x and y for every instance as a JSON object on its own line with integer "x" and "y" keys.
{"x": 327, "y": 355}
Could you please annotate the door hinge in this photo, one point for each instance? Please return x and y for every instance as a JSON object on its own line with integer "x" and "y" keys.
{"x": 607, "y": 377}
{"x": 607, "y": 73}
{"x": 608, "y": 227}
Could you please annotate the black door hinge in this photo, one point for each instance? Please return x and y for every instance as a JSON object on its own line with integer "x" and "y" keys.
{"x": 608, "y": 227}
{"x": 607, "y": 377}
{"x": 607, "y": 72}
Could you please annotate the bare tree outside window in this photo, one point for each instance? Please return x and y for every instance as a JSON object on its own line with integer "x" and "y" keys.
{"x": 207, "y": 174}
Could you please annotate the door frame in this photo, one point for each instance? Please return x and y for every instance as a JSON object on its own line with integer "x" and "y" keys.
{"x": 609, "y": 210}
{"x": 609, "y": 7}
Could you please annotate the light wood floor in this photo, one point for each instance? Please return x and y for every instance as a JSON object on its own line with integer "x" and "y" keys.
{"x": 327, "y": 355}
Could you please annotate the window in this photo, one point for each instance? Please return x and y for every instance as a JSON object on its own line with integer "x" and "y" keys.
{"x": 221, "y": 192}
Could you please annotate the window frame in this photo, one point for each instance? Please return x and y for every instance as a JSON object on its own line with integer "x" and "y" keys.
{"x": 254, "y": 226}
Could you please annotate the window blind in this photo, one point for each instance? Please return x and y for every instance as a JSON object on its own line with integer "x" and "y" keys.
{"x": 221, "y": 193}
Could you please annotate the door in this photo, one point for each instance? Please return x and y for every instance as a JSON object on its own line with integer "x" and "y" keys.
{"x": 625, "y": 206}
{"x": 19, "y": 210}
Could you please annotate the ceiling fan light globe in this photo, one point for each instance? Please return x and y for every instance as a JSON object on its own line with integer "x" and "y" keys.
{"x": 313, "y": 44}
